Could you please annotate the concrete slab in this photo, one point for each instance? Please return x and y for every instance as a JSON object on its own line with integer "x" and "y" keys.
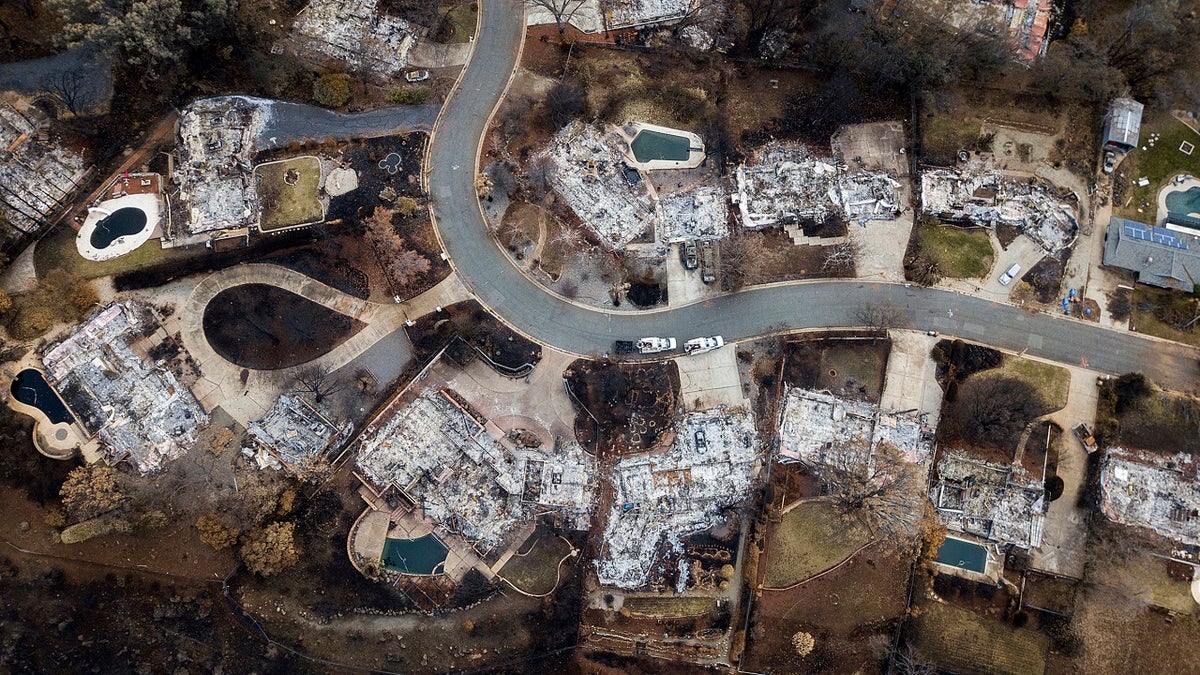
{"x": 875, "y": 146}
{"x": 685, "y": 286}
{"x": 710, "y": 380}
{"x": 881, "y": 246}
{"x": 911, "y": 383}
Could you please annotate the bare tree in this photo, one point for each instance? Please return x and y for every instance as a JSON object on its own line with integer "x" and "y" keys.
{"x": 880, "y": 315}
{"x": 317, "y": 381}
{"x": 878, "y": 487}
{"x": 541, "y": 175}
{"x": 562, "y": 10}
{"x": 909, "y": 662}
{"x": 841, "y": 259}
{"x": 764, "y": 17}
{"x": 992, "y": 411}
{"x": 402, "y": 264}
{"x": 741, "y": 260}
{"x": 69, "y": 88}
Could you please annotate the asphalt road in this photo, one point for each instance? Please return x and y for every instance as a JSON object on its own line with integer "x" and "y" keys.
{"x": 556, "y": 321}
{"x": 92, "y": 68}
{"x": 297, "y": 121}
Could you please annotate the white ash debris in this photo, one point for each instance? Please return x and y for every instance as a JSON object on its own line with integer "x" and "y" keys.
{"x": 441, "y": 457}
{"x": 696, "y": 37}
{"x": 816, "y": 426}
{"x": 588, "y": 174}
{"x": 986, "y": 197}
{"x": 217, "y": 139}
{"x": 665, "y": 497}
{"x": 38, "y": 174}
{"x": 699, "y": 214}
{"x": 106, "y": 375}
{"x": 626, "y": 13}
{"x": 295, "y": 432}
{"x": 591, "y": 174}
{"x": 1143, "y": 489}
{"x": 991, "y": 500}
{"x": 355, "y": 33}
{"x": 786, "y": 182}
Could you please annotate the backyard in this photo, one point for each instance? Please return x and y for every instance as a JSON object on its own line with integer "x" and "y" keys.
{"x": 1157, "y": 163}
{"x": 534, "y": 568}
{"x": 287, "y": 191}
{"x": 809, "y": 539}
{"x": 968, "y": 642}
{"x": 961, "y": 254}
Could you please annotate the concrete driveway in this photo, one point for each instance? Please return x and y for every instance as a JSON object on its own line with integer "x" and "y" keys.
{"x": 710, "y": 380}
{"x": 911, "y": 382}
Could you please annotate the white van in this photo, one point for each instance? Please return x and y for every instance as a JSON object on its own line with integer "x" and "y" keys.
{"x": 1009, "y": 274}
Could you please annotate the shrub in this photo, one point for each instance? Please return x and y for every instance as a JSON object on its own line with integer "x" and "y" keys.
{"x": 332, "y": 90}
{"x": 413, "y": 96}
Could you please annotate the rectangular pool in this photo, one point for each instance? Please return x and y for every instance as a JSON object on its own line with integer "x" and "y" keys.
{"x": 651, "y": 145}
{"x": 963, "y": 554}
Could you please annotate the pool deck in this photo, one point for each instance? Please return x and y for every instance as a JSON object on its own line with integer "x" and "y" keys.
{"x": 1160, "y": 217}
{"x": 631, "y": 130}
{"x": 146, "y": 202}
{"x": 56, "y": 441}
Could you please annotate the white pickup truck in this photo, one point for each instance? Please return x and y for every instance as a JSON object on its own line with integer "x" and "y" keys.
{"x": 703, "y": 344}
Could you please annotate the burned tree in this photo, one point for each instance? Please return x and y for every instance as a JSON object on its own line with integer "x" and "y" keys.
{"x": 562, "y": 11}
{"x": 841, "y": 259}
{"x": 317, "y": 381}
{"x": 880, "y": 315}
{"x": 879, "y": 488}
{"x": 992, "y": 411}
{"x": 403, "y": 265}
{"x": 69, "y": 88}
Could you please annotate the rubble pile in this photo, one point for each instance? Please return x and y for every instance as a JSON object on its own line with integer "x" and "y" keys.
{"x": 37, "y": 175}
{"x": 214, "y": 173}
{"x": 294, "y": 432}
{"x": 817, "y": 426}
{"x": 626, "y": 13}
{"x": 989, "y": 500}
{"x": 700, "y": 214}
{"x": 104, "y": 372}
{"x": 986, "y": 197}
{"x": 442, "y": 458}
{"x": 588, "y": 174}
{"x": 785, "y": 183}
{"x": 353, "y": 32}
{"x": 667, "y": 496}
{"x": 1146, "y": 490}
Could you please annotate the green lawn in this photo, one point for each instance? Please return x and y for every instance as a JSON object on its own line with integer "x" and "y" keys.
{"x": 57, "y": 251}
{"x": 288, "y": 205}
{"x": 1158, "y": 164}
{"x": 1053, "y": 382}
{"x": 965, "y": 642}
{"x": 962, "y": 254}
{"x": 810, "y": 539}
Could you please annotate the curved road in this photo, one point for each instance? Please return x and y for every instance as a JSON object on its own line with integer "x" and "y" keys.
{"x": 557, "y": 321}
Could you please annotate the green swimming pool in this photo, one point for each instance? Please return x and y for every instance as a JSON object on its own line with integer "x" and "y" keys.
{"x": 1184, "y": 202}
{"x": 650, "y": 145}
{"x": 963, "y": 554}
{"x": 423, "y": 555}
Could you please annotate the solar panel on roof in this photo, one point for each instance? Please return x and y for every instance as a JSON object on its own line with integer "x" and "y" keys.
{"x": 1143, "y": 232}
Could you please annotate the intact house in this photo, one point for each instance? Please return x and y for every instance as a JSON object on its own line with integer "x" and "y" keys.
{"x": 1159, "y": 257}
{"x": 1122, "y": 125}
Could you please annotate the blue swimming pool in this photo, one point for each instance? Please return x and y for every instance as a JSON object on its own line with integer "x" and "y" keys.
{"x": 423, "y": 555}
{"x": 120, "y": 223}
{"x": 963, "y": 554}
{"x": 31, "y": 388}
{"x": 1184, "y": 202}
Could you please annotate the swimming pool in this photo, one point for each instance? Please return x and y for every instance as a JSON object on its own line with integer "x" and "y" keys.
{"x": 120, "y": 223}
{"x": 650, "y": 145}
{"x": 423, "y": 555}
{"x": 963, "y": 554}
{"x": 30, "y": 387}
{"x": 1184, "y": 202}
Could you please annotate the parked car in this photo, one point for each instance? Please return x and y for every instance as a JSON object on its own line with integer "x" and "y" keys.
{"x": 416, "y": 76}
{"x": 646, "y": 345}
{"x": 690, "y": 260}
{"x": 1010, "y": 274}
{"x": 1110, "y": 161}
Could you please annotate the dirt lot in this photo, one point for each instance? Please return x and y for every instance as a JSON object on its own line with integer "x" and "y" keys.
{"x": 852, "y": 613}
{"x": 624, "y": 408}
{"x": 264, "y": 327}
{"x": 1166, "y": 314}
{"x": 969, "y": 642}
{"x": 480, "y": 329}
{"x": 847, "y": 368}
{"x": 1157, "y": 421}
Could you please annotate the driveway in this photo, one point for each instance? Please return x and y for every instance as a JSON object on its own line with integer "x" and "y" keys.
{"x": 297, "y": 122}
